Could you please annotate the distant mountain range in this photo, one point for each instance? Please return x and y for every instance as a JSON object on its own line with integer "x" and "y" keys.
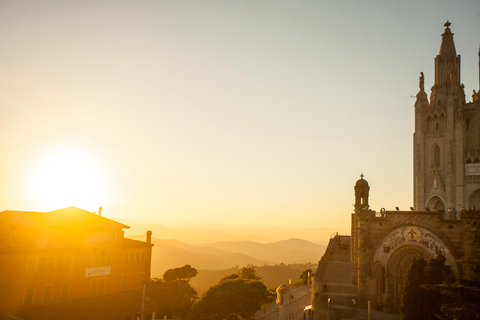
{"x": 167, "y": 254}
{"x": 205, "y": 233}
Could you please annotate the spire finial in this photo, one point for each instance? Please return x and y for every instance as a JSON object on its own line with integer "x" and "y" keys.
{"x": 421, "y": 81}
{"x": 447, "y": 24}
{"x": 361, "y": 176}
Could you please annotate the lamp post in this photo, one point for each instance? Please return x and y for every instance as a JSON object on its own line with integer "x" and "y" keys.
{"x": 328, "y": 309}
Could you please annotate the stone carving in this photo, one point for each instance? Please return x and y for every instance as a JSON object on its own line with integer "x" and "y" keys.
{"x": 413, "y": 235}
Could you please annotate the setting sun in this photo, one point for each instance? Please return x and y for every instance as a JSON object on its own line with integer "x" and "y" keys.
{"x": 68, "y": 177}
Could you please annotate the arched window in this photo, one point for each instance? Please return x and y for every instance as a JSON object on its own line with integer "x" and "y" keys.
{"x": 436, "y": 156}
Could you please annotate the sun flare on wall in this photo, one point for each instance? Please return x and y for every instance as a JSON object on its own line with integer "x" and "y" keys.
{"x": 68, "y": 177}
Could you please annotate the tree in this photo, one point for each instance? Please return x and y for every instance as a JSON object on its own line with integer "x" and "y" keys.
{"x": 174, "y": 295}
{"x": 411, "y": 307}
{"x": 304, "y": 277}
{"x": 436, "y": 273}
{"x": 230, "y": 299}
{"x": 421, "y": 299}
{"x": 462, "y": 296}
{"x": 186, "y": 272}
{"x": 237, "y": 295}
{"x": 249, "y": 273}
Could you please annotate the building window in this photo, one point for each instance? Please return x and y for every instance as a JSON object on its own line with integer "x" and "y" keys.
{"x": 93, "y": 285}
{"x": 101, "y": 285}
{"x": 132, "y": 257}
{"x": 143, "y": 256}
{"x": 65, "y": 291}
{"x": 124, "y": 282}
{"x": 103, "y": 258}
{"x": 68, "y": 262}
{"x": 137, "y": 257}
{"x": 125, "y": 257}
{"x": 51, "y": 263}
{"x": 60, "y": 262}
{"x": 436, "y": 156}
{"x": 31, "y": 264}
{"x": 47, "y": 293}
{"x": 28, "y": 297}
{"x": 41, "y": 263}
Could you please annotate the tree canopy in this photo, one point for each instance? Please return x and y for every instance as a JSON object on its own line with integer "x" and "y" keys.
{"x": 420, "y": 299}
{"x": 173, "y": 296}
{"x": 186, "y": 272}
{"x": 236, "y": 295}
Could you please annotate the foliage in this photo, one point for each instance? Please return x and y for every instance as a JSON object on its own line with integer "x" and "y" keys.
{"x": 249, "y": 273}
{"x": 186, "y": 272}
{"x": 436, "y": 273}
{"x": 463, "y": 296}
{"x": 304, "y": 277}
{"x": 236, "y": 295}
{"x": 420, "y": 299}
{"x": 411, "y": 307}
{"x": 174, "y": 295}
{"x": 272, "y": 275}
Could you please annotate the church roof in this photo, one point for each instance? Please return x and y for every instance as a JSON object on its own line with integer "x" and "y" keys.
{"x": 361, "y": 182}
{"x": 447, "y": 48}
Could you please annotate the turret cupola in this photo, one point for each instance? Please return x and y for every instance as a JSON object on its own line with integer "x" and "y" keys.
{"x": 361, "y": 194}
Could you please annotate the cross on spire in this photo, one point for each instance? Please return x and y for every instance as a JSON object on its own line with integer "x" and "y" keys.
{"x": 361, "y": 176}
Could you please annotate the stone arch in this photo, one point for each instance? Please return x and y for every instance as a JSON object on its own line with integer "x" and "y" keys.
{"x": 436, "y": 203}
{"x": 395, "y": 250}
{"x": 414, "y": 235}
{"x": 380, "y": 274}
{"x": 474, "y": 199}
{"x": 397, "y": 269}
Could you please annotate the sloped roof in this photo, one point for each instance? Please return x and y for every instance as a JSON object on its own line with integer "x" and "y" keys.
{"x": 70, "y": 216}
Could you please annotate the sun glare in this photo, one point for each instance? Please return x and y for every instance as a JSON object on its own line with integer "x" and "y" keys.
{"x": 68, "y": 178}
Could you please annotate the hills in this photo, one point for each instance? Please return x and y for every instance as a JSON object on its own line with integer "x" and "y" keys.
{"x": 167, "y": 254}
{"x": 204, "y": 233}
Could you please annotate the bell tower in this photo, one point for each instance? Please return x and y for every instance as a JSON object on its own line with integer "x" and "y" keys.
{"x": 440, "y": 134}
{"x": 361, "y": 194}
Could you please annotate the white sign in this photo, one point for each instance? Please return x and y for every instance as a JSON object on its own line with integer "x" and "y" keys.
{"x": 98, "y": 271}
{"x": 472, "y": 169}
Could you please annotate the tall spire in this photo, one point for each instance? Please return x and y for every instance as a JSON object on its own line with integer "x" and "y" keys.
{"x": 447, "y": 48}
{"x": 447, "y": 63}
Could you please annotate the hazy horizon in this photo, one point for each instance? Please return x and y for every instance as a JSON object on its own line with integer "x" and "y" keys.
{"x": 256, "y": 113}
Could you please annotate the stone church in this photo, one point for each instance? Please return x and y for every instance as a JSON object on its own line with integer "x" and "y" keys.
{"x": 370, "y": 264}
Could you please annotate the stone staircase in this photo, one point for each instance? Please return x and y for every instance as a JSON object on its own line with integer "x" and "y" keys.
{"x": 335, "y": 278}
{"x": 335, "y": 281}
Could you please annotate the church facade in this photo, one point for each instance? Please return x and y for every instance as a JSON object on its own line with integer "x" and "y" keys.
{"x": 445, "y": 218}
{"x": 446, "y": 138}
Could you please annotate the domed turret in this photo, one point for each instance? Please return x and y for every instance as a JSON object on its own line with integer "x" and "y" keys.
{"x": 361, "y": 194}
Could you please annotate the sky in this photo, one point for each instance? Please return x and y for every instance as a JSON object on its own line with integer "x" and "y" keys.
{"x": 234, "y": 112}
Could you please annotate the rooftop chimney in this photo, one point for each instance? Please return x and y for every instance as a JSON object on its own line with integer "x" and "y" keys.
{"x": 100, "y": 211}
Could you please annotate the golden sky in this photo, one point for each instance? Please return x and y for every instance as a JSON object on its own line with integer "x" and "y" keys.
{"x": 252, "y": 112}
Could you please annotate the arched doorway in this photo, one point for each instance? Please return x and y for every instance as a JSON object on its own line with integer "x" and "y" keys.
{"x": 436, "y": 203}
{"x": 398, "y": 265}
{"x": 474, "y": 201}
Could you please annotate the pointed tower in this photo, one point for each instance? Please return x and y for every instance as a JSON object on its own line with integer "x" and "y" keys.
{"x": 441, "y": 135}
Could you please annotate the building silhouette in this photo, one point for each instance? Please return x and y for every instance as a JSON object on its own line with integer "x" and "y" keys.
{"x": 70, "y": 264}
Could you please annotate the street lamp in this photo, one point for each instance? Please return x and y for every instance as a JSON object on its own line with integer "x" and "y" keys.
{"x": 328, "y": 309}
